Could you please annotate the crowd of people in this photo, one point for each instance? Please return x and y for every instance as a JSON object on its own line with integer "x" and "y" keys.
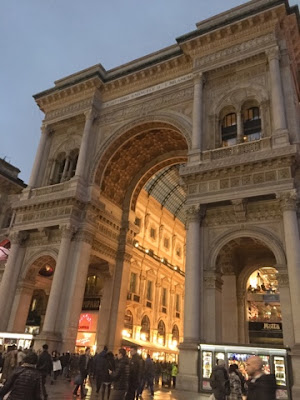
{"x": 114, "y": 377}
{"x": 231, "y": 384}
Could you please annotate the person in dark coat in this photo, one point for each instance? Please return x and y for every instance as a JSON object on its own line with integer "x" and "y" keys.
{"x": 135, "y": 370}
{"x": 44, "y": 365}
{"x": 106, "y": 379}
{"x": 120, "y": 376}
{"x": 260, "y": 385}
{"x": 84, "y": 365}
{"x": 99, "y": 368}
{"x": 25, "y": 382}
{"x": 149, "y": 374}
{"x": 219, "y": 381}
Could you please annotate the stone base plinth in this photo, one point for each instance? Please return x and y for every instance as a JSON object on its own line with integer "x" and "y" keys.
{"x": 52, "y": 339}
{"x": 187, "y": 378}
{"x": 295, "y": 358}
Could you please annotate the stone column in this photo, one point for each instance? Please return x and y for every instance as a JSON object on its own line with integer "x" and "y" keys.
{"x": 10, "y": 277}
{"x": 68, "y": 321}
{"x": 213, "y": 306}
{"x": 243, "y": 335}
{"x": 229, "y": 306}
{"x": 39, "y": 156}
{"x": 66, "y": 167}
{"x": 57, "y": 287}
{"x": 278, "y": 107}
{"x": 285, "y": 305}
{"x": 292, "y": 245}
{"x": 197, "y": 133}
{"x": 20, "y": 310}
{"x": 84, "y": 147}
{"x": 188, "y": 355}
{"x": 240, "y": 127}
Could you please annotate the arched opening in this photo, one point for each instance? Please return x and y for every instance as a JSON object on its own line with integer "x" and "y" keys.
{"x": 228, "y": 120}
{"x": 128, "y": 324}
{"x": 248, "y": 273}
{"x": 251, "y": 121}
{"x": 145, "y": 328}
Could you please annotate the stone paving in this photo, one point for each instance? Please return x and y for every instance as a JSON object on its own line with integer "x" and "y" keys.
{"x": 62, "y": 390}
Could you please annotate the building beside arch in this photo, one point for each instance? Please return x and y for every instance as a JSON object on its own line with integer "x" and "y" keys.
{"x": 167, "y": 190}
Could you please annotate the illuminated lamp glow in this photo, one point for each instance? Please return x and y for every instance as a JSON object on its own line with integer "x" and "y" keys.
{"x": 125, "y": 333}
{"x": 147, "y": 251}
{"x": 143, "y": 336}
{"x": 136, "y": 244}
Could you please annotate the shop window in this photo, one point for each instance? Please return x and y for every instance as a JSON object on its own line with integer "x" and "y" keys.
{"x": 133, "y": 282}
{"x": 128, "y": 324}
{"x": 229, "y": 130}
{"x": 161, "y": 333}
{"x": 251, "y": 124}
{"x": 263, "y": 307}
{"x": 149, "y": 290}
{"x": 138, "y": 221}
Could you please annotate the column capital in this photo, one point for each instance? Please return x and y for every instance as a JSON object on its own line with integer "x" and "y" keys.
{"x": 288, "y": 200}
{"x": 46, "y": 129}
{"x": 84, "y": 236}
{"x": 273, "y": 53}
{"x": 90, "y": 114}
{"x": 283, "y": 278}
{"x": 198, "y": 77}
{"x": 195, "y": 212}
{"x": 68, "y": 230}
{"x": 18, "y": 237}
{"x": 212, "y": 280}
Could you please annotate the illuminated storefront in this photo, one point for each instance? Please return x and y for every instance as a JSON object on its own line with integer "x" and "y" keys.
{"x": 87, "y": 328}
{"x": 263, "y": 307}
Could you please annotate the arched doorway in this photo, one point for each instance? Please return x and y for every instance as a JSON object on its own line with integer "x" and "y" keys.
{"x": 140, "y": 165}
{"x": 145, "y": 328}
{"x": 161, "y": 333}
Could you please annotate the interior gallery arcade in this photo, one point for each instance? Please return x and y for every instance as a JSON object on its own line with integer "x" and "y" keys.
{"x": 163, "y": 204}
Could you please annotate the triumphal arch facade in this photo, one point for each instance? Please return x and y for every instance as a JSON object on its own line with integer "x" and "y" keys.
{"x": 219, "y": 111}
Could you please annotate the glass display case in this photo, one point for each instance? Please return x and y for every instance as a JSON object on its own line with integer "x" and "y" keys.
{"x": 274, "y": 362}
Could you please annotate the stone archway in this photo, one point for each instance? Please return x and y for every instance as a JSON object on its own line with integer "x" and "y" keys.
{"x": 36, "y": 277}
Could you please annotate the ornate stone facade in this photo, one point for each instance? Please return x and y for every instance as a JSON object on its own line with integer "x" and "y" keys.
{"x": 223, "y": 104}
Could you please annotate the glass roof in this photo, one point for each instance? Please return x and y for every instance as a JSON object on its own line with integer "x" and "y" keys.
{"x": 164, "y": 187}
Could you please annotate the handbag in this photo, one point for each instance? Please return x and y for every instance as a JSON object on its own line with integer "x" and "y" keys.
{"x": 78, "y": 380}
{"x": 56, "y": 365}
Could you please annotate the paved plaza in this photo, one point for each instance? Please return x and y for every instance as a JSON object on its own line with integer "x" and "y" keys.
{"x": 62, "y": 390}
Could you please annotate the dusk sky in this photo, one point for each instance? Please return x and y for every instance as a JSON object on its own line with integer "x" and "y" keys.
{"x": 45, "y": 40}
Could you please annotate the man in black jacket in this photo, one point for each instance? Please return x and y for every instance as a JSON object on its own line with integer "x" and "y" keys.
{"x": 25, "y": 382}
{"x": 99, "y": 367}
{"x": 45, "y": 366}
{"x": 135, "y": 369}
{"x": 120, "y": 376}
{"x": 84, "y": 366}
{"x": 260, "y": 385}
{"x": 219, "y": 381}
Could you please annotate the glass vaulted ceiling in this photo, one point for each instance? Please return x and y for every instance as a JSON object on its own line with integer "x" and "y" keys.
{"x": 164, "y": 187}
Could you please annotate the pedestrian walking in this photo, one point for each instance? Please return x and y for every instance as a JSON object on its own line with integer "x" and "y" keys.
{"x": 10, "y": 363}
{"x": 100, "y": 368}
{"x": 44, "y": 365}
{"x": 135, "y": 370}
{"x": 120, "y": 376}
{"x": 106, "y": 379}
{"x": 84, "y": 365}
{"x": 56, "y": 366}
{"x": 219, "y": 381}
{"x": 25, "y": 382}
{"x": 20, "y": 356}
{"x": 260, "y": 385}
{"x": 149, "y": 374}
{"x": 174, "y": 374}
{"x": 235, "y": 383}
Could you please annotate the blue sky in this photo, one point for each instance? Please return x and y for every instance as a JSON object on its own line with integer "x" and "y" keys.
{"x": 44, "y": 40}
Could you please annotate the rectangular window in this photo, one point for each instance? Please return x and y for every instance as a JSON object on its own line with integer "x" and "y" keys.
{"x": 133, "y": 279}
{"x": 166, "y": 243}
{"x": 164, "y": 297}
{"x": 149, "y": 290}
{"x": 138, "y": 222}
{"x": 153, "y": 233}
{"x": 177, "y": 303}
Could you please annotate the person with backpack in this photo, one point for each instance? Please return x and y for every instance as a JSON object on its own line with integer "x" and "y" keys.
{"x": 219, "y": 381}
{"x": 235, "y": 383}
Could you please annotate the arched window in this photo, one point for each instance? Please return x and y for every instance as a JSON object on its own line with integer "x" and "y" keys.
{"x": 145, "y": 328}
{"x": 73, "y": 163}
{"x": 229, "y": 130}
{"x": 175, "y": 334}
{"x": 93, "y": 286}
{"x": 161, "y": 333}
{"x": 251, "y": 124}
